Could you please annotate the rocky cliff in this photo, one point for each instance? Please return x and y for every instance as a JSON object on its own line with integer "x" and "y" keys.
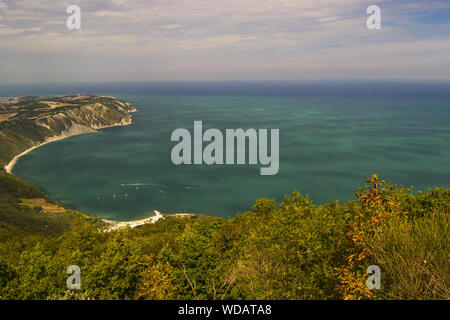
{"x": 31, "y": 121}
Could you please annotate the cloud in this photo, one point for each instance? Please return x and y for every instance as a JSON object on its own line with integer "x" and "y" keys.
{"x": 3, "y": 8}
{"x": 5, "y": 30}
{"x": 232, "y": 39}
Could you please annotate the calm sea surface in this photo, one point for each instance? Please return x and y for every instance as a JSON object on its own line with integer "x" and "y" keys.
{"x": 331, "y": 136}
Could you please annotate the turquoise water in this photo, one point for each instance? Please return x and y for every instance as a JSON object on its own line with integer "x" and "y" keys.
{"x": 329, "y": 142}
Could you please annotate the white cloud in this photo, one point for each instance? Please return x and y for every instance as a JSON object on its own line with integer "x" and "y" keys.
{"x": 5, "y": 30}
{"x": 236, "y": 38}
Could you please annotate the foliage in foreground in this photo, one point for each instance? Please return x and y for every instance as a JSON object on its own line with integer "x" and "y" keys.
{"x": 291, "y": 250}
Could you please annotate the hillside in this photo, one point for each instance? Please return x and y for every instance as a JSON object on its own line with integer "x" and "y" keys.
{"x": 29, "y": 121}
{"x": 294, "y": 249}
{"x": 290, "y": 250}
{"x": 25, "y": 210}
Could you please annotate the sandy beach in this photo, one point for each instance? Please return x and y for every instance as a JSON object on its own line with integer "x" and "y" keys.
{"x": 114, "y": 225}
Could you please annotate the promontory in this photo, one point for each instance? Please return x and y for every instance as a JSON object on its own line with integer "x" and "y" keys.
{"x": 28, "y": 122}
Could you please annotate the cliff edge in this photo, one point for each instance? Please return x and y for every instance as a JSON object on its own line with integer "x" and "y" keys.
{"x": 28, "y": 122}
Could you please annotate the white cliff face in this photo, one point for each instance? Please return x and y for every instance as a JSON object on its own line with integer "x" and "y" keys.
{"x": 88, "y": 117}
{"x": 74, "y": 130}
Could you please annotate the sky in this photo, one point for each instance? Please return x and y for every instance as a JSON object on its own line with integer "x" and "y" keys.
{"x": 217, "y": 40}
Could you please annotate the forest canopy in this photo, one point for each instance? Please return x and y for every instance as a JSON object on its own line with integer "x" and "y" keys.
{"x": 294, "y": 249}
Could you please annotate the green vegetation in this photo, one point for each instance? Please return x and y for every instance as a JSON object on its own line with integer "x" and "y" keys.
{"x": 26, "y": 211}
{"x": 291, "y": 250}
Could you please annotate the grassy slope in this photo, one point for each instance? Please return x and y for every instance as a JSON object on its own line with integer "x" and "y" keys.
{"x": 18, "y": 136}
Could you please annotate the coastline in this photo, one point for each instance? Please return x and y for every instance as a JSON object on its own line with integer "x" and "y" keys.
{"x": 115, "y": 224}
{"x": 73, "y": 131}
{"x": 134, "y": 223}
{"x": 78, "y": 130}
{"x": 11, "y": 164}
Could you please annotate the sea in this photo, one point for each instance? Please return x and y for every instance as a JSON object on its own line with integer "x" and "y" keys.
{"x": 331, "y": 136}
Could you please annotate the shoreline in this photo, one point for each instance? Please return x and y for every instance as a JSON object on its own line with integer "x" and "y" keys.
{"x": 73, "y": 131}
{"x": 79, "y": 129}
{"x": 14, "y": 160}
{"x": 116, "y": 224}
